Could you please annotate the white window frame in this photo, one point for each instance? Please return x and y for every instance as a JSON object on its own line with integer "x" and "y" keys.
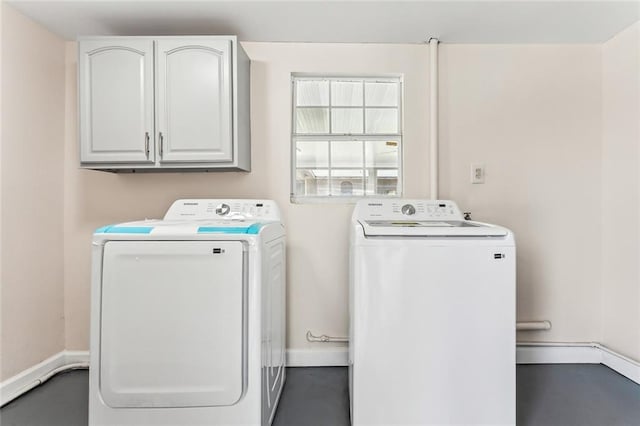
{"x": 302, "y": 199}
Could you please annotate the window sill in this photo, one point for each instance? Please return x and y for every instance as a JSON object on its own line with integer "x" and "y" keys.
{"x": 336, "y": 199}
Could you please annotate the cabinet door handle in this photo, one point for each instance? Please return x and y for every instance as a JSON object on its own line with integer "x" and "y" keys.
{"x": 146, "y": 144}
{"x": 161, "y": 144}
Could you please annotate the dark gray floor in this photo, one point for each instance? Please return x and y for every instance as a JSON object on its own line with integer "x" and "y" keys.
{"x": 62, "y": 400}
{"x": 314, "y": 397}
{"x": 576, "y": 394}
{"x": 549, "y": 395}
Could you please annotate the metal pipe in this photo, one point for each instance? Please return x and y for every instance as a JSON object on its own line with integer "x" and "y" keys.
{"x": 433, "y": 117}
{"x": 533, "y": 325}
{"x": 325, "y": 339}
{"x": 520, "y": 326}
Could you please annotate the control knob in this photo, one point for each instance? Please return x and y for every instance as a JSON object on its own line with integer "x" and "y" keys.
{"x": 408, "y": 209}
{"x": 222, "y": 209}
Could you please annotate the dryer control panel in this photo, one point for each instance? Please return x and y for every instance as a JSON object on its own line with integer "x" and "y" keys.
{"x": 407, "y": 209}
{"x": 239, "y": 209}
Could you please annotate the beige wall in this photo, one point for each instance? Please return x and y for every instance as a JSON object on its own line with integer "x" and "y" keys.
{"x": 317, "y": 234}
{"x": 621, "y": 193}
{"x": 1, "y": 182}
{"x": 532, "y": 115}
{"x": 32, "y": 192}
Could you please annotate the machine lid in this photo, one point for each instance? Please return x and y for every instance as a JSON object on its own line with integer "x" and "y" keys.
{"x": 161, "y": 227}
{"x": 421, "y": 223}
{"x": 427, "y": 228}
{"x": 430, "y": 228}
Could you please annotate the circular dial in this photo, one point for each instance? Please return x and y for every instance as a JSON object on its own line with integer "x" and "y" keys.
{"x": 408, "y": 209}
{"x": 223, "y": 209}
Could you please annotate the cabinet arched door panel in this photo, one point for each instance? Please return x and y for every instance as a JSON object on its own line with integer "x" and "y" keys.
{"x": 194, "y": 100}
{"x": 116, "y": 101}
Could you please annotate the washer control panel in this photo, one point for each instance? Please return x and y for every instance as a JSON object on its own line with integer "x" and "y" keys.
{"x": 232, "y": 209}
{"x": 401, "y": 209}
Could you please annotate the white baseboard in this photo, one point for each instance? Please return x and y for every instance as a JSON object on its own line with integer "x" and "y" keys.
{"x": 558, "y": 353}
{"x": 26, "y": 380}
{"x": 526, "y": 353}
{"x": 76, "y": 357}
{"x": 325, "y": 357}
{"x": 620, "y": 363}
{"x": 577, "y": 353}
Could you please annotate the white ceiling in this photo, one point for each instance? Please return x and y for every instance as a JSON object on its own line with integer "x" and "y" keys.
{"x": 387, "y": 21}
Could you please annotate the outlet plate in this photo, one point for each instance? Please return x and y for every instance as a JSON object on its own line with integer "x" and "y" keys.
{"x": 477, "y": 173}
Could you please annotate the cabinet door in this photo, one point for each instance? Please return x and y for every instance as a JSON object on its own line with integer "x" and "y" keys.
{"x": 116, "y": 101}
{"x": 194, "y": 100}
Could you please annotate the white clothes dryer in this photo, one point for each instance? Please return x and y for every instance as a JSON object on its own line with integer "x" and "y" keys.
{"x": 432, "y": 316}
{"x": 188, "y": 316}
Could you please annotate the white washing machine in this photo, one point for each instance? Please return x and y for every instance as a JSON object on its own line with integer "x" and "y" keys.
{"x": 432, "y": 310}
{"x": 188, "y": 317}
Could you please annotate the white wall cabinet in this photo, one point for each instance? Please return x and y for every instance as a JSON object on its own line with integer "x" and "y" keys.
{"x": 164, "y": 103}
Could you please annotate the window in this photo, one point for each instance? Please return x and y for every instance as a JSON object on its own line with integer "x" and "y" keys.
{"x": 347, "y": 137}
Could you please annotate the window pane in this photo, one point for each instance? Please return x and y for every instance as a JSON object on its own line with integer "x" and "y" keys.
{"x": 381, "y": 94}
{"x": 312, "y": 120}
{"x": 345, "y": 120}
{"x": 384, "y": 183}
{"x": 382, "y": 120}
{"x": 312, "y": 93}
{"x": 312, "y": 182}
{"x": 347, "y": 183}
{"x": 312, "y": 154}
{"x": 381, "y": 154}
{"x": 346, "y": 93}
{"x": 346, "y": 154}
